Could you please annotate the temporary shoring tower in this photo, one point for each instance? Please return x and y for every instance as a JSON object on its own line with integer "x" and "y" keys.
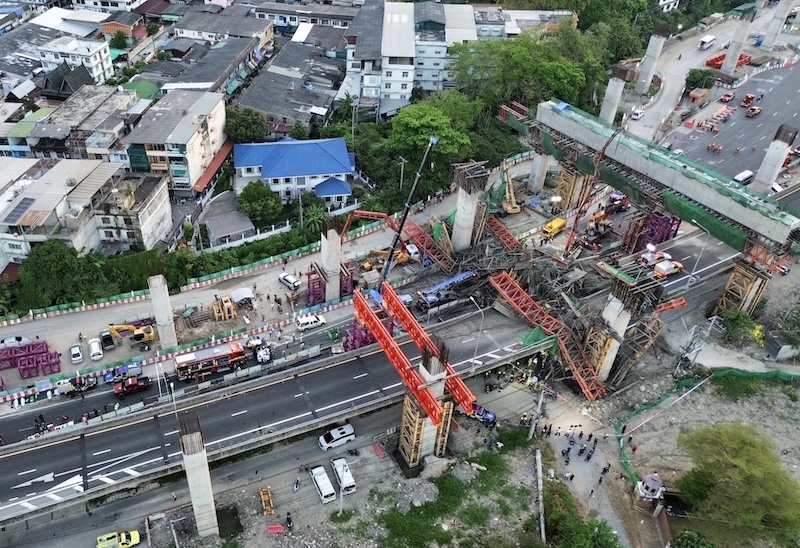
{"x": 425, "y": 424}
{"x": 569, "y": 345}
{"x": 329, "y": 279}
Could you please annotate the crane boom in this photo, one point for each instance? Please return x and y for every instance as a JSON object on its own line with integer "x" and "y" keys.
{"x": 586, "y": 193}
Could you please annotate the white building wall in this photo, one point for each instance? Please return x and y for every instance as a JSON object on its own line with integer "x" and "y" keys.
{"x": 155, "y": 217}
{"x": 430, "y": 65}
{"x": 397, "y": 80}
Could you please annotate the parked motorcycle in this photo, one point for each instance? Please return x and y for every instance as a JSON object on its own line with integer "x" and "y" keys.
{"x": 354, "y": 452}
{"x": 289, "y": 522}
{"x": 296, "y": 485}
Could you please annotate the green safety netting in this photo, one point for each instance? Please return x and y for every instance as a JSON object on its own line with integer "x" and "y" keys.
{"x": 536, "y": 336}
{"x": 684, "y": 209}
{"x": 624, "y": 184}
{"x": 547, "y": 143}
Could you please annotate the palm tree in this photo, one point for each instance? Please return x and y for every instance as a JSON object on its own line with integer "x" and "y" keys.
{"x": 314, "y": 216}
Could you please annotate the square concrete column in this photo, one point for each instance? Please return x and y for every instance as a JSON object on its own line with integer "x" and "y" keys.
{"x": 611, "y": 100}
{"x": 617, "y": 320}
{"x": 648, "y": 67}
{"x": 331, "y": 261}
{"x": 466, "y": 208}
{"x": 198, "y": 475}
{"x": 776, "y": 25}
{"x": 772, "y": 164}
{"x": 736, "y": 46}
{"x": 165, "y": 326}
{"x": 538, "y": 172}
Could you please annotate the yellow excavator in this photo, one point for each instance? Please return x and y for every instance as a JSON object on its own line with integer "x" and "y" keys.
{"x": 510, "y": 204}
{"x": 144, "y": 334}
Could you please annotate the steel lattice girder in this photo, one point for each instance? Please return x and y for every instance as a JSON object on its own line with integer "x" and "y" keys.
{"x": 504, "y": 236}
{"x": 428, "y": 245}
{"x": 454, "y": 384}
{"x": 571, "y": 350}
{"x": 408, "y": 373}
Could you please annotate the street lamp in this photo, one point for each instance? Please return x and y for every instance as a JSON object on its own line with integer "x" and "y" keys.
{"x": 697, "y": 262}
{"x": 174, "y": 405}
{"x": 480, "y": 331}
{"x": 403, "y": 163}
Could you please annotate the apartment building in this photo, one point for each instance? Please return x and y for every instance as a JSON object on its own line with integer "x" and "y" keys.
{"x": 179, "y": 136}
{"x": 287, "y": 17}
{"x": 93, "y": 54}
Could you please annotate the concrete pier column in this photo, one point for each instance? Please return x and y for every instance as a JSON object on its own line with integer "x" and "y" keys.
{"x": 538, "y": 172}
{"x": 611, "y": 100}
{"x": 648, "y": 67}
{"x": 198, "y": 476}
{"x": 466, "y": 207}
{"x": 617, "y": 320}
{"x": 331, "y": 260}
{"x": 159, "y": 296}
{"x": 737, "y": 44}
{"x": 776, "y": 25}
{"x": 773, "y": 162}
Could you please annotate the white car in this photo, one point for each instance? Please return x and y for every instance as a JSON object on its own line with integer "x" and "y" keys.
{"x": 336, "y": 437}
{"x": 637, "y": 114}
{"x": 75, "y": 353}
{"x": 651, "y": 258}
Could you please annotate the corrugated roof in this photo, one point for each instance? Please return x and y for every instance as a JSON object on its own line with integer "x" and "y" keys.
{"x": 460, "y": 24}
{"x": 219, "y": 158}
{"x": 295, "y": 158}
{"x": 364, "y": 28}
{"x": 172, "y": 118}
{"x": 332, "y": 187}
{"x": 26, "y": 125}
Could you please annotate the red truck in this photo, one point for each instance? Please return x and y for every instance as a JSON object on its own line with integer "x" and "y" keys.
{"x": 131, "y": 386}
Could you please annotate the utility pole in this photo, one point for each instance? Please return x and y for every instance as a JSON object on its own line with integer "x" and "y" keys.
{"x": 403, "y": 163}
{"x": 300, "y": 198}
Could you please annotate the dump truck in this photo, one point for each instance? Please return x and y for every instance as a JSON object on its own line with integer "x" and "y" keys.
{"x": 748, "y": 100}
{"x": 552, "y": 228}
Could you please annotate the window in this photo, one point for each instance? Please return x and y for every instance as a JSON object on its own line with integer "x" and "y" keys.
{"x": 403, "y": 86}
{"x": 403, "y": 97}
{"x": 130, "y": 235}
{"x": 105, "y": 220}
{"x": 405, "y": 74}
{"x": 437, "y": 52}
{"x": 420, "y": 63}
{"x": 326, "y": 22}
{"x": 436, "y": 64}
{"x": 421, "y": 52}
{"x": 419, "y": 75}
{"x": 261, "y": 16}
{"x": 287, "y": 180}
{"x": 128, "y": 221}
{"x": 388, "y": 73}
{"x": 314, "y": 20}
{"x": 109, "y": 234}
{"x": 15, "y": 246}
{"x": 387, "y": 86}
{"x": 287, "y": 193}
{"x": 292, "y": 18}
{"x": 275, "y": 181}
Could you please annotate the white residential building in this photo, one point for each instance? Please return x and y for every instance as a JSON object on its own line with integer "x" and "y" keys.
{"x": 107, "y": 6}
{"x": 397, "y": 52}
{"x": 94, "y": 55}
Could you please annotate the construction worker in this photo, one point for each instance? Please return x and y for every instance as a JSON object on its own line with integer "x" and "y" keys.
{"x": 524, "y": 419}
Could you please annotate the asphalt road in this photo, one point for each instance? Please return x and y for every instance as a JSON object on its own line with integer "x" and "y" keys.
{"x": 780, "y": 105}
{"x": 55, "y": 470}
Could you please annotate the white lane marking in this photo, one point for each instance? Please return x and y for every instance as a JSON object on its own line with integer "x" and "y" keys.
{"x": 343, "y": 402}
{"x": 131, "y": 472}
{"x": 238, "y": 413}
{"x": 31, "y": 471}
{"x": 264, "y": 428}
{"x": 468, "y": 340}
{"x": 27, "y": 505}
{"x": 360, "y": 376}
{"x": 171, "y": 433}
{"x": 12, "y": 499}
{"x": 54, "y": 497}
{"x": 103, "y": 452}
{"x": 105, "y": 480}
{"x": 395, "y": 385}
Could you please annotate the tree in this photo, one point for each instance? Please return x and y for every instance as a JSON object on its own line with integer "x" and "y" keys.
{"x": 118, "y": 41}
{"x": 462, "y": 111}
{"x": 259, "y": 203}
{"x": 738, "y": 477}
{"x": 739, "y": 327}
{"x": 152, "y": 28}
{"x": 414, "y": 125}
{"x": 54, "y": 274}
{"x": 699, "y": 78}
{"x": 245, "y": 125}
{"x": 313, "y": 217}
{"x": 299, "y": 131}
{"x": 690, "y": 539}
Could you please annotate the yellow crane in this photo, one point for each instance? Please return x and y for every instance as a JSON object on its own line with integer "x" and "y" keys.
{"x": 510, "y": 204}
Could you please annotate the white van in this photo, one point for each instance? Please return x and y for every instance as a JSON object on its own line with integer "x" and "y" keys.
{"x": 289, "y": 281}
{"x": 775, "y": 188}
{"x": 304, "y": 323}
{"x": 95, "y": 349}
{"x": 744, "y": 178}
{"x": 343, "y": 476}
{"x": 323, "y": 484}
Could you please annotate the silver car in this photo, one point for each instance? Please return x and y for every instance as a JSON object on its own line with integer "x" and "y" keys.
{"x": 75, "y": 353}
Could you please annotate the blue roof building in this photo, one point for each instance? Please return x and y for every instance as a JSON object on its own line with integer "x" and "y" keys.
{"x": 290, "y": 167}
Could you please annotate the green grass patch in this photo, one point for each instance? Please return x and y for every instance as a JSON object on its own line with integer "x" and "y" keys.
{"x": 231, "y": 543}
{"x": 515, "y": 438}
{"x": 360, "y": 529}
{"x": 516, "y": 495}
{"x": 474, "y": 514}
{"x": 378, "y": 496}
{"x": 734, "y": 388}
{"x": 790, "y": 389}
{"x": 345, "y": 516}
{"x": 496, "y": 470}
